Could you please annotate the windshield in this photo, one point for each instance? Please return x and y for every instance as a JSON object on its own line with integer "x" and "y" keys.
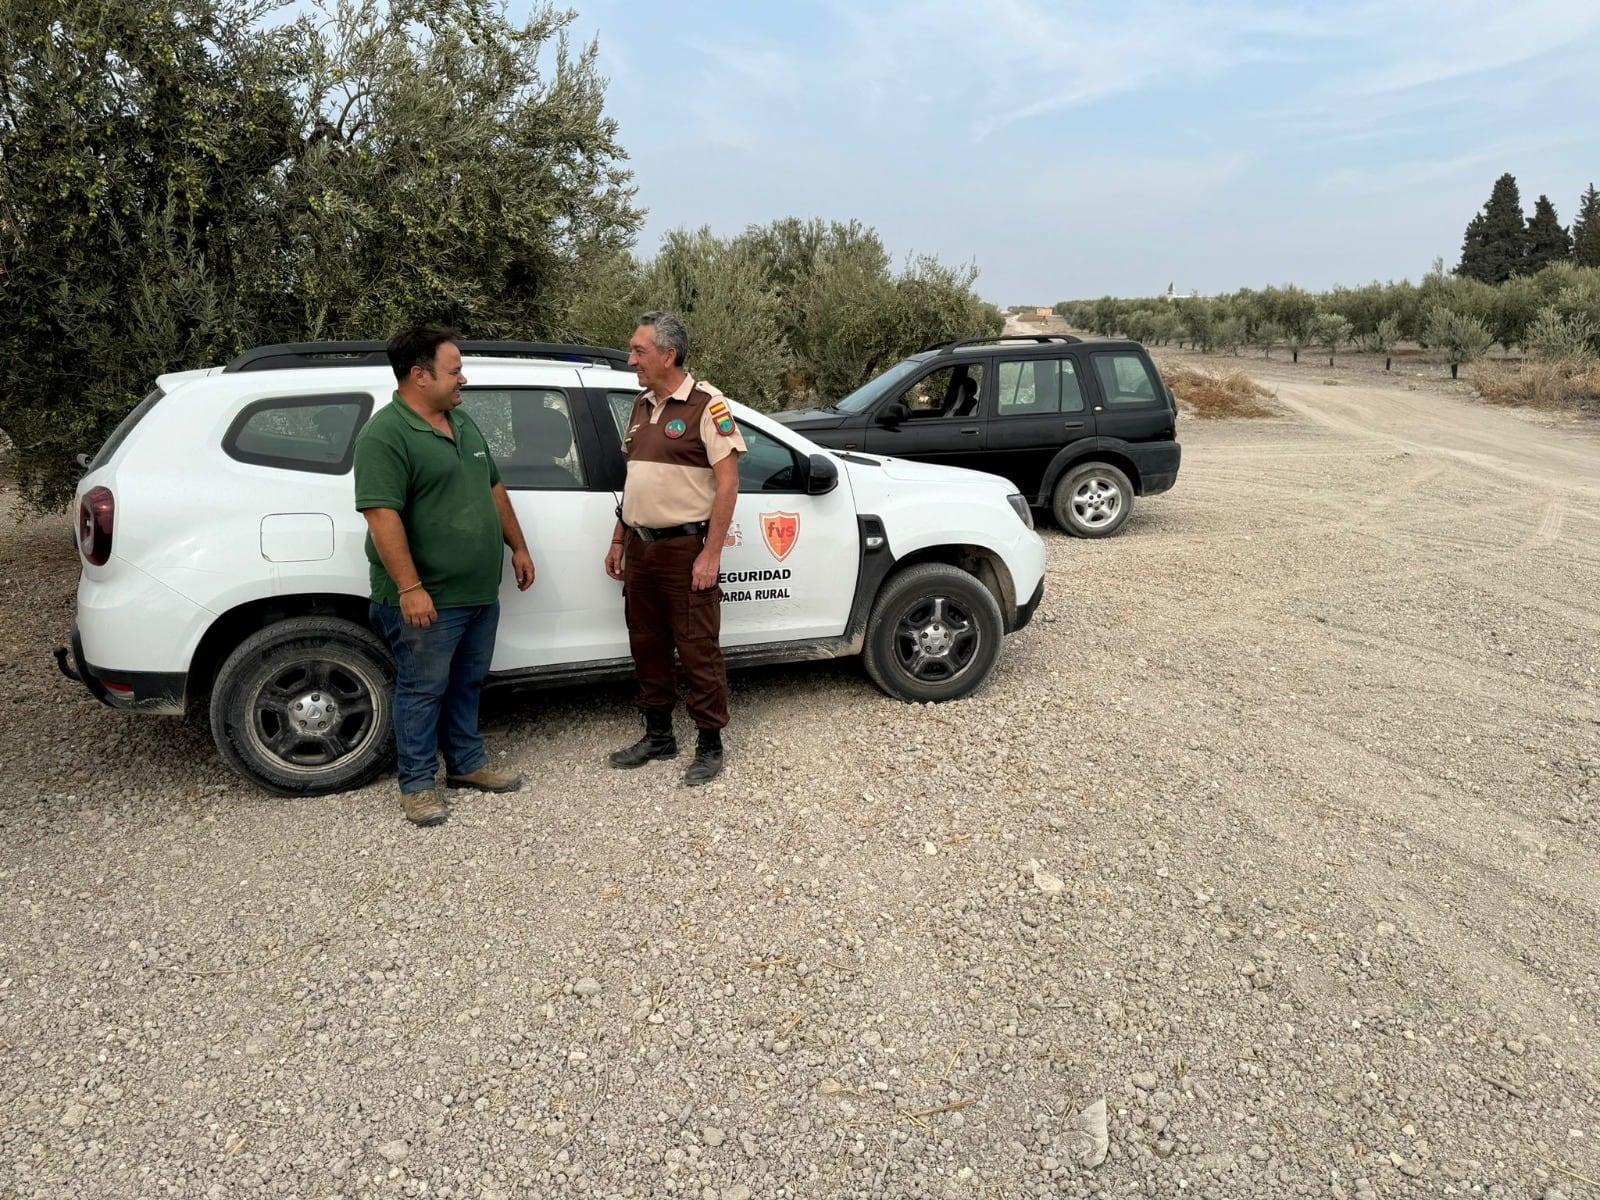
{"x": 869, "y": 393}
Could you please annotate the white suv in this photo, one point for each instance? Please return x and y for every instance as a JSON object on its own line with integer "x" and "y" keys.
{"x": 223, "y": 559}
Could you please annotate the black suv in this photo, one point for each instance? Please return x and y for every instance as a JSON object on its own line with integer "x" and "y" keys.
{"x": 1081, "y": 427}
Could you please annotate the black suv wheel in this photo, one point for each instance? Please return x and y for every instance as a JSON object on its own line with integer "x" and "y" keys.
{"x": 1092, "y": 500}
{"x": 934, "y": 634}
{"x": 304, "y": 707}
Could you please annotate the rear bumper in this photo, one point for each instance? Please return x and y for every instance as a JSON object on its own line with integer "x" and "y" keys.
{"x": 1157, "y": 463}
{"x": 145, "y": 691}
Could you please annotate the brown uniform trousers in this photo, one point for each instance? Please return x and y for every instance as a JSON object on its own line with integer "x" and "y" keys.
{"x": 663, "y": 611}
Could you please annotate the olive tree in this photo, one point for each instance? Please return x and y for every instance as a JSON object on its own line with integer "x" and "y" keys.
{"x": 1463, "y": 337}
{"x": 180, "y": 179}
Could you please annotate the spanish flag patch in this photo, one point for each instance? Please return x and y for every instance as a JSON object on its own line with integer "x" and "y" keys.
{"x": 722, "y": 417}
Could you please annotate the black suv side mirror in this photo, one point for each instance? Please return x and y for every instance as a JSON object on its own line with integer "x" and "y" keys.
{"x": 893, "y": 415}
{"x": 822, "y": 474}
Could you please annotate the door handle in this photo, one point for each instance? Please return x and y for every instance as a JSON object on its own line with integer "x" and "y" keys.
{"x": 971, "y": 429}
{"x": 1073, "y": 425}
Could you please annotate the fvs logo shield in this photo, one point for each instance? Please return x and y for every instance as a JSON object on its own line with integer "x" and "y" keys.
{"x": 780, "y": 530}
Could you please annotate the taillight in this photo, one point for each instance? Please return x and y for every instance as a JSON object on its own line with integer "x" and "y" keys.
{"x": 95, "y": 512}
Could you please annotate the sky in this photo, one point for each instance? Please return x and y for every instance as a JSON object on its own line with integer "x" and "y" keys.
{"x": 1071, "y": 150}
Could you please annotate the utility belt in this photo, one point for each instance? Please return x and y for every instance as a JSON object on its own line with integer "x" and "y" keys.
{"x": 697, "y": 529}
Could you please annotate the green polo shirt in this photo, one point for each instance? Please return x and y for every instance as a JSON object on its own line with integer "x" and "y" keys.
{"x": 441, "y": 489}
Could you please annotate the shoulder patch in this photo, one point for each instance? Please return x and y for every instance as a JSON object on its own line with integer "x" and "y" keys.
{"x": 722, "y": 417}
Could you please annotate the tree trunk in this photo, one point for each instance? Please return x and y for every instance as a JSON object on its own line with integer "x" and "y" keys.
{"x": 1453, "y": 368}
{"x": 1386, "y": 363}
{"x": 1297, "y": 356}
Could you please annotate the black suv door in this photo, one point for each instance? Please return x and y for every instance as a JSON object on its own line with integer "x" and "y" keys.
{"x": 1039, "y": 408}
{"x": 1131, "y": 404}
{"x": 938, "y": 417}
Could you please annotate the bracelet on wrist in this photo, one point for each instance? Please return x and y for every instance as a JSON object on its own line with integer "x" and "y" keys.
{"x": 412, "y": 588}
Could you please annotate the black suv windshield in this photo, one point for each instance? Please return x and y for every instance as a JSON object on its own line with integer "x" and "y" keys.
{"x": 869, "y": 393}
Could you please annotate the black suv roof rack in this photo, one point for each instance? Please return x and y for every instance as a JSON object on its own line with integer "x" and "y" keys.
{"x": 1064, "y": 338}
{"x": 293, "y": 355}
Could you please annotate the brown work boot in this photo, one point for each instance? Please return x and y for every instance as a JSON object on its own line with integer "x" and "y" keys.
{"x": 423, "y": 808}
{"x": 486, "y": 779}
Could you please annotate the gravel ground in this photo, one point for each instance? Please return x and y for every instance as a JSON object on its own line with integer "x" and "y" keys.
{"x": 1265, "y": 867}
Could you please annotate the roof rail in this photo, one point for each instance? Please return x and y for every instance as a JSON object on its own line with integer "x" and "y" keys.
{"x": 292, "y": 355}
{"x": 1065, "y": 338}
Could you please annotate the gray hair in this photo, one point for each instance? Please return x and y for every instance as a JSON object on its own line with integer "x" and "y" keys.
{"x": 670, "y": 334}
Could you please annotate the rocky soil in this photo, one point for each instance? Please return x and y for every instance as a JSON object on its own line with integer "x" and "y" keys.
{"x": 1266, "y": 867}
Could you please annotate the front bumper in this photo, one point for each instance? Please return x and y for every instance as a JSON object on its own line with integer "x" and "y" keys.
{"x": 1025, "y": 611}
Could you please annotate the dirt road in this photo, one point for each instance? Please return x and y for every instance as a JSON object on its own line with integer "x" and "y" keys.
{"x": 1313, "y": 749}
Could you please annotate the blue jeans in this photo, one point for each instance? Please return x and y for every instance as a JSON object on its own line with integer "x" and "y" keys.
{"x": 441, "y": 673}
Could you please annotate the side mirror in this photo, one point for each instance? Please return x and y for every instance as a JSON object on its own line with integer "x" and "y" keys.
{"x": 893, "y": 415}
{"x": 822, "y": 474}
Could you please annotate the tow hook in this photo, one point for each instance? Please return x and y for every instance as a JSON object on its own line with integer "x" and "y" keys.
{"x": 61, "y": 653}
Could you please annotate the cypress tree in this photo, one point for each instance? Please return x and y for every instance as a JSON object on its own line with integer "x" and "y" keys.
{"x": 1548, "y": 240}
{"x": 1496, "y": 244}
{"x": 1586, "y": 230}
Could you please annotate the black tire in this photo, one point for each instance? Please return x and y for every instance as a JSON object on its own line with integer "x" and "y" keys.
{"x": 1092, "y": 500}
{"x": 305, "y": 707}
{"x": 934, "y": 634}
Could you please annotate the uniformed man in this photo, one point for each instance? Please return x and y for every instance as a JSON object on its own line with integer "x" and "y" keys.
{"x": 683, "y": 480}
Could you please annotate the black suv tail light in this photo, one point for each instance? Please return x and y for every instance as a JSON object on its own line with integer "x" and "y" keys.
{"x": 95, "y": 513}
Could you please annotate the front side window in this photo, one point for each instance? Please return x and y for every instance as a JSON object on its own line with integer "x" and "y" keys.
{"x": 529, "y": 431}
{"x": 299, "y": 433}
{"x": 1124, "y": 379}
{"x": 952, "y": 392}
{"x": 767, "y": 465}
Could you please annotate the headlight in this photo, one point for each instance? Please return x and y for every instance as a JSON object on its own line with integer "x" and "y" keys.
{"x": 1019, "y": 505}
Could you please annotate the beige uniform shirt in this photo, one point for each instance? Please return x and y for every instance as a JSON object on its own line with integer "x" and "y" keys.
{"x": 672, "y": 444}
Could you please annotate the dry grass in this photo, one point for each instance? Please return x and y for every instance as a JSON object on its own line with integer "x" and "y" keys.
{"x": 1570, "y": 386}
{"x": 1217, "y": 396}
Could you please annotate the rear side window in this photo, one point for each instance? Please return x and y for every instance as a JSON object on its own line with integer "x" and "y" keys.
{"x": 621, "y": 405}
{"x": 299, "y": 433}
{"x": 1124, "y": 379}
{"x": 1047, "y": 385}
{"x": 121, "y": 432}
{"x": 529, "y": 431}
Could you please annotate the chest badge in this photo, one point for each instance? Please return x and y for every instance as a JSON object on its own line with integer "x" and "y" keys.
{"x": 675, "y": 428}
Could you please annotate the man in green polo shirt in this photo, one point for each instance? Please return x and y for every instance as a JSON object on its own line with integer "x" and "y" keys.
{"x": 437, "y": 517}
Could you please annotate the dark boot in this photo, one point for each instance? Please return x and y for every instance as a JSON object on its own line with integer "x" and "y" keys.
{"x": 657, "y": 742}
{"x": 707, "y": 764}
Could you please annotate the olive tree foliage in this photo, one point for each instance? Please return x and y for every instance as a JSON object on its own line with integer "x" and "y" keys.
{"x": 792, "y": 312}
{"x": 455, "y": 167}
{"x": 1462, "y": 336}
{"x": 735, "y": 321}
{"x": 1330, "y": 331}
{"x": 181, "y": 179}
{"x": 133, "y": 137}
{"x": 1555, "y": 338}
